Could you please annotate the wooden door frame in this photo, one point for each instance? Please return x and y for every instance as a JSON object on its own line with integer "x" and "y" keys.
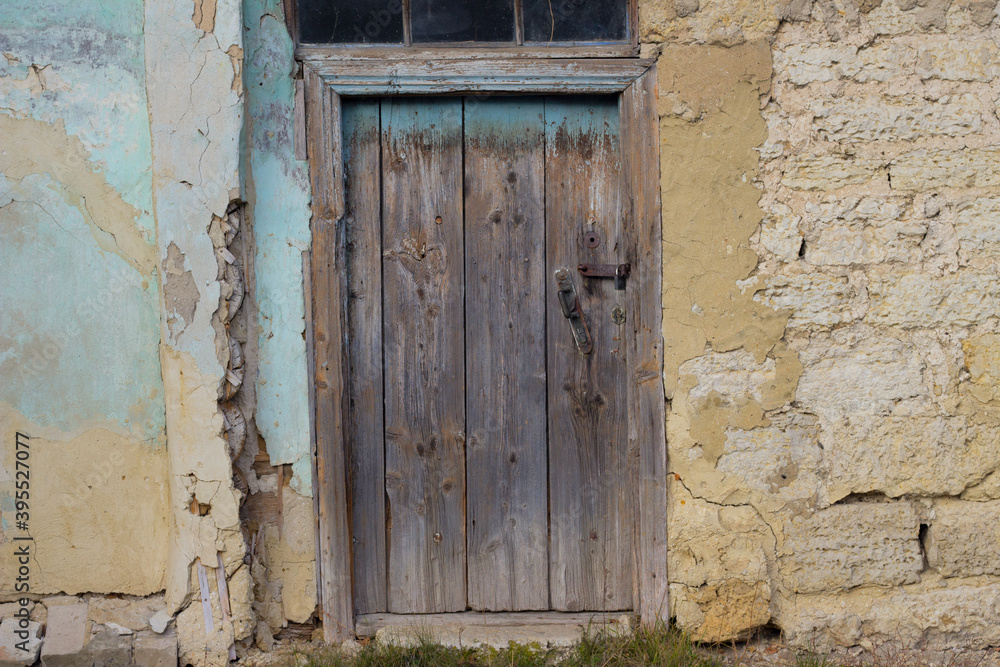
{"x": 634, "y": 80}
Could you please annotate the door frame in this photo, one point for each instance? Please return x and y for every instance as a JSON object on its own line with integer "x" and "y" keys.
{"x": 634, "y": 81}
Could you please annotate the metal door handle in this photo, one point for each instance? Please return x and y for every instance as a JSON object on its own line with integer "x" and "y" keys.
{"x": 570, "y": 304}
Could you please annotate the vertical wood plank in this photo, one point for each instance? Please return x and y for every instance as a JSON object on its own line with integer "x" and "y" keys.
{"x": 647, "y": 440}
{"x": 330, "y": 364}
{"x": 506, "y": 458}
{"x": 424, "y": 355}
{"x": 590, "y": 505}
{"x": 363, "y": 227}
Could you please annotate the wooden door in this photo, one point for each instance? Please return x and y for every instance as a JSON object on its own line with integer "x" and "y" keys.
{"x": 489, "y": 456}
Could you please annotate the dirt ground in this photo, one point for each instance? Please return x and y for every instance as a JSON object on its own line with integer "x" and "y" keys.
{"x": 756, "y": 653}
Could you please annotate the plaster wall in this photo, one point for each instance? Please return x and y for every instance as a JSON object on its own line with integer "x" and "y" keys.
{"x": 829, "y": 172}
{"x": 79, "y": 300}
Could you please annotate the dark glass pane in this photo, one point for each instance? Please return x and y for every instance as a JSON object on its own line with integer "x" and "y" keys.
{"x": 351, "y": 21}
{"x": 462, "y": 20}
{"x": 575, "y": 20}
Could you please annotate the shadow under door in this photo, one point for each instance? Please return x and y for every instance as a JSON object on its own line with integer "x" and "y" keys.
{"x": 488, "y": 423}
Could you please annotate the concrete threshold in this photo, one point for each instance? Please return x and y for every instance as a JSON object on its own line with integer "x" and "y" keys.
{"x": 465, "y": 629}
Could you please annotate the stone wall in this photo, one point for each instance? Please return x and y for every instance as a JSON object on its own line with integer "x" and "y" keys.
{"x": 830, "y": 318}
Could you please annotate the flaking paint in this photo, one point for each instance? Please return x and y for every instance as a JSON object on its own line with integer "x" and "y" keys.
{"x": 277, "y": 187}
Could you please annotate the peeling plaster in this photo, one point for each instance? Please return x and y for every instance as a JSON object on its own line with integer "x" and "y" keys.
{"x": 35, "y": 147}
{"x": 196, "y": 117}
{"x": 277, "y": 187}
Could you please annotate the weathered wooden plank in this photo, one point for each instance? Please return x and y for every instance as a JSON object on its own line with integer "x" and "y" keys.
{"x": 424, "y": 355}
{"x": 590, "y": 505}
{"x": 317, "y": 54}
{"x": 397, "y": 76}
{"x": 647, "y": 441}
{"x": 362, "y": 220}
{"x": 369, "y": 624}
{"x": 505, "y": 354}
{"x": 329, "y": 364}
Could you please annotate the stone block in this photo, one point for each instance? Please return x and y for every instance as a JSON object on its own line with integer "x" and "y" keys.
{"x": 918, "y": 300}
{"x": 863, "y": 230}
{"x": 19, "y": 642}
{"x": 772, "y": 466}
{"x": 877, "y": 118}
{"x": 812, "y": 63}
{"x": 65, "y": 635}
{"x": 814, "y": 299}
{"x": 905, "y": 455}
{"x": 964, "y": 538}
{"x": 108, "y": 649}
{"x": 977, "y": 225}
{"x": 735, "y": 376}
{"x": 8, "y": 609}
{"x": 855, "y": 374}
{"x": 152, "y": 650}
{"x": 131, "y": 613}
{"x": 719, "y": 585}
{"x": 931, "y": 169}
{"x": 852, "y": 545}
{"x": 780, "y": 234}
{"x": 932, "y": 615}
{"x": 982, "y": 360}
{"x": 959, "y": 60}
{"x": 828, "y": 172}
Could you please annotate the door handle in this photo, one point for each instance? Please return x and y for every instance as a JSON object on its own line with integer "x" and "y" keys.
{"x": 570, "y": 303}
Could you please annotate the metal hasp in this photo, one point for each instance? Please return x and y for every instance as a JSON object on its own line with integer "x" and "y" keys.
{"x": 620, "y": 272}
{"x": 571, "y": 309}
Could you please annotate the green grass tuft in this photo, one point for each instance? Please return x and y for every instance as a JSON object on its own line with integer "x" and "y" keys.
{"x": 659, "y": 646}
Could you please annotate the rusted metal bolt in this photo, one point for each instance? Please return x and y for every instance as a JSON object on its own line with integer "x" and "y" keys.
{"x": 437, "y": 538}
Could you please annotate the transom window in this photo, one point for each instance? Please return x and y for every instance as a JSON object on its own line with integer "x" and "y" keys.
{"x": 464, "y": 22}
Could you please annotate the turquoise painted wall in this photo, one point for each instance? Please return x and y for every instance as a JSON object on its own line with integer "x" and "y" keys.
{"x": 79, "y": 318}
{"x": 277, "y": 189}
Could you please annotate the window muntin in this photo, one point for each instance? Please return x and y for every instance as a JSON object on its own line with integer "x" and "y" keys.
{"x": 463, "y": 22}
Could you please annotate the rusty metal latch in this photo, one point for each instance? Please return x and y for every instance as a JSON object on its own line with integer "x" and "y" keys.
{"x": 620, "y": 272}
{"x": 570, "y": 304}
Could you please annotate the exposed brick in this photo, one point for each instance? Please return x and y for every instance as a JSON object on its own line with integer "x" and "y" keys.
{"x": 108, "y": 649}
{"x": 65, "y": 635}
{"x": 12, "y": 641}
{"x": 155, "y": 650}
{"x": 810, "y": 63}
{"x": 851, "y": 545}
{"x": 779, "y": 233}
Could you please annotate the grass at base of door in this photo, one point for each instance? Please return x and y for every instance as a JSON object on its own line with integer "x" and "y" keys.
{"x": 661, "y": 646}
